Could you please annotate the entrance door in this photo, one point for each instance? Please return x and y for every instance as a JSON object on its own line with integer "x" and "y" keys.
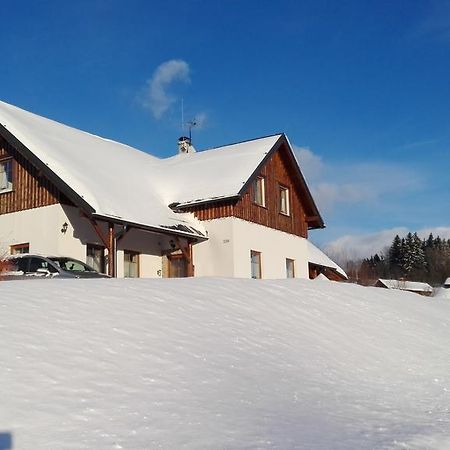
{"x": 178, "y": 266}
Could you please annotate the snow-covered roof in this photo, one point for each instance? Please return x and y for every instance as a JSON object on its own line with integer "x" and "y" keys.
{"x": 321, "y": 277}
{"x": 317, "y": 256}
{"x": 216, "y": 173}
{"x": 406, "y": 285}
{"x": 120, "y": 182}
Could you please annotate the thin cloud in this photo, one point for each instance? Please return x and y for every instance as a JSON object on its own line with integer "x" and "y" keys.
{"x": 156, "y": 96}
{"x": 335, "y": 185}
{"x": 419, "y": 144}
{"x": 359, "y": 246}
{"x": 311, "y": 164}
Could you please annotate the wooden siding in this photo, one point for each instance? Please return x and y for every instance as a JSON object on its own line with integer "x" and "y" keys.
{"x": 30, "y": 188}
{"x": 277, "y": 171}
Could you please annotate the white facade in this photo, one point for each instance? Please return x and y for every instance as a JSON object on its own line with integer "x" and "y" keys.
{"x": 42, "y": 229}
{"x": 227, "y": 252}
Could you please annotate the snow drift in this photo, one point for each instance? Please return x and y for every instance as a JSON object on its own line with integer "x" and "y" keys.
{"x": 222, "y": 364}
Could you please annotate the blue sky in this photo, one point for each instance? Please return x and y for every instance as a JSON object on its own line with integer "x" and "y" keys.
{"x": 361, "y": 88}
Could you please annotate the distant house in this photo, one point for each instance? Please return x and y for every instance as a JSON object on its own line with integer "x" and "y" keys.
{"x": 410, "y": 286}
{"x": 241, "y": 210}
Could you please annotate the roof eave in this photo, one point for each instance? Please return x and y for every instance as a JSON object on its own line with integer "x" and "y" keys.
{"x": 332, "y": 269}
{"x": 151, "y": 228}
{"x": 318, "y": 223}
{"x": 187, "y": 205}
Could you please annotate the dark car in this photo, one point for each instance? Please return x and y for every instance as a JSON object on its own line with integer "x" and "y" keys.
{"x": 31, "y": 266}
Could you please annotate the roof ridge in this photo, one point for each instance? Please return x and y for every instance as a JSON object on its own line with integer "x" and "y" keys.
{"x": 241, "y": 142}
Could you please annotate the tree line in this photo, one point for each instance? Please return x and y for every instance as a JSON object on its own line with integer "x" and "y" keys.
{"x": 410, "y": 258}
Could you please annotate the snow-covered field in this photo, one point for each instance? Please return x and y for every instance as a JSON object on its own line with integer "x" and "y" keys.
{"x": 221, "y": 364}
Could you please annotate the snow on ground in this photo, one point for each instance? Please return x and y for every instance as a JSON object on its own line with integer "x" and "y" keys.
{"x": 222, "y": 364}
{"x": 442, "y": 293}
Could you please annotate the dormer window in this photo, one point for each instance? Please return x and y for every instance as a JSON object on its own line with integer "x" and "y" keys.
{"x": 284, "y": 200}
{"x": 6, "y": 182}
{"x": 259, "y": 191}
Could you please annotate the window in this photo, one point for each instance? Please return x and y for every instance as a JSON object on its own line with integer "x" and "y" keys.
{"x": 284, "y": 200}
{"x": 19, "y": 249}
{"x": 255, "y": 258}
{"x": 95, "y": 257}
{"x": 131, "y": 264}
{"x": 259, "y": 191}
{"x": 40, "y": 263}
{"x": 6, "y": 183}
{"x": 290, "y": 272}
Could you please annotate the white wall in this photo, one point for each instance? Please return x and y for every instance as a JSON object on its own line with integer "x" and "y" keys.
{"x": 41, "y": 228}
{"x": 215, "y": 257}
{"x": 149, "y": 245}
{"x": 227, "y": 252}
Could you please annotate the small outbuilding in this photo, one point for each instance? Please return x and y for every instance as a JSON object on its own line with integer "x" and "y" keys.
{"x": 321, "y": 265}
{"x": 410, "y": 286}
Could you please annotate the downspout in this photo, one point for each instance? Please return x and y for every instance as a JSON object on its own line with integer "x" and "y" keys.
{"x": 111, "y": 251}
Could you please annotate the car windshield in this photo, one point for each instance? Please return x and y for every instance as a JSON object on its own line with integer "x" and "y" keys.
{"x": 72, "y": 265}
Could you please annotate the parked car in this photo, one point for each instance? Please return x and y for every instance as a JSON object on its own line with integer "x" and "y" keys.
{"x": 28, "y": 266}
{"x": 447, "y": 283}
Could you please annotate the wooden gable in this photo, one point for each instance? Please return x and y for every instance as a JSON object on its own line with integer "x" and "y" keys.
{"x": 31, "y": 189}
{"x": 278, "y": 169}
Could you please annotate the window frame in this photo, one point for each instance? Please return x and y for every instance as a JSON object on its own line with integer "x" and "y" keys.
{"x": 138, "y": 268}
{"x": 101, "y": 248}
{"x": 290, "y": 261}
{"x": 259, "y": 187}
{"x": 10, "y": 160}
{"x": 255, "y": 253}
{"x": 20, "y": 247}
{"x": 284, "y": 190}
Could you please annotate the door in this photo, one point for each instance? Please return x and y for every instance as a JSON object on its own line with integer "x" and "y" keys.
{"x": 178, "y": 266}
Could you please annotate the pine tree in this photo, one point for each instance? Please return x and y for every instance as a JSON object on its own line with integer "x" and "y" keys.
{"x": 395, "y": 257}
{"x": 407, "y": 258}
{"x": 418, "y": 258}
{"x": 430, "y": 241}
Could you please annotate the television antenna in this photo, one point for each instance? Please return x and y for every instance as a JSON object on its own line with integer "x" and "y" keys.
{"x": 191, "y": 124}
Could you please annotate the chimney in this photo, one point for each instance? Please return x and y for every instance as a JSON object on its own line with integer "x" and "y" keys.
{"x": 185, "y": 146}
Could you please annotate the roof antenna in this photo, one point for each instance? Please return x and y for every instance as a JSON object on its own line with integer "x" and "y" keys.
{"x": 182, "y": 114}
{"x": 191, "y": 124}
